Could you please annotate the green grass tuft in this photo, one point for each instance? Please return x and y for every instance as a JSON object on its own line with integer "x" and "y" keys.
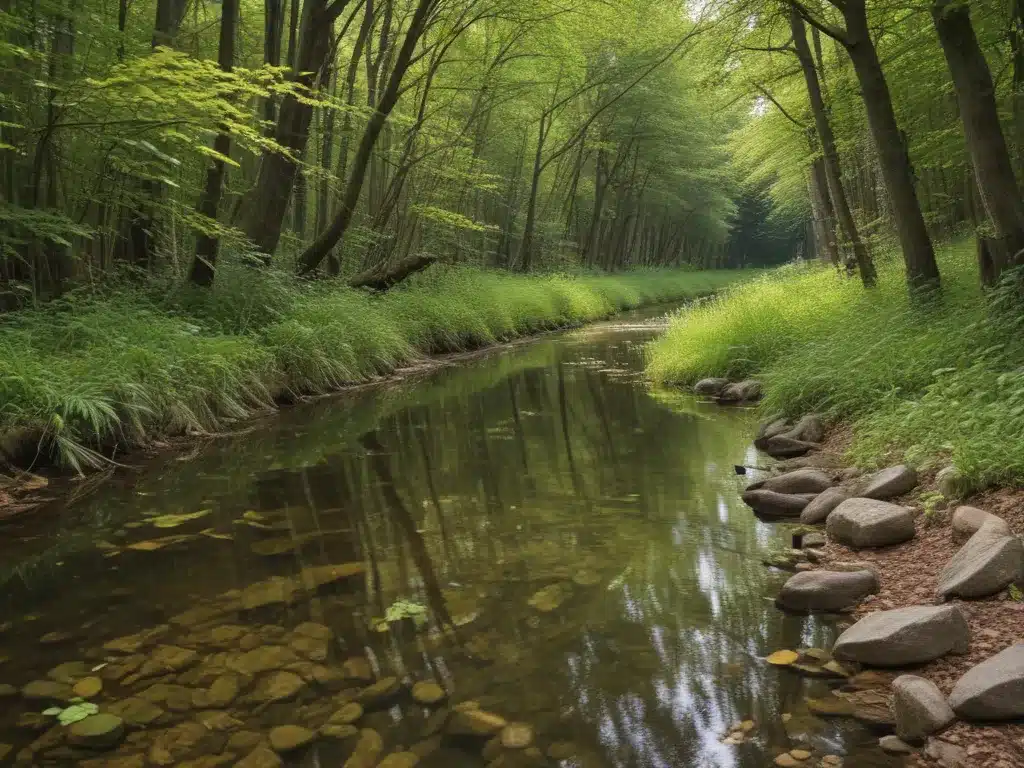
{"x": 932, "y": 384}
{"x": 84, "y": 375}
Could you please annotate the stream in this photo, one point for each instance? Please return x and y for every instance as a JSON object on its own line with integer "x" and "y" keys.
{"x": 536, "y": 530}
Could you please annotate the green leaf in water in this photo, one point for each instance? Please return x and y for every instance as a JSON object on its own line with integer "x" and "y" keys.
{"x": 74, "y": 713}
{"x": 404, "y": 609}
{"x": 52, "y": 711}
{"x": 173, "y": 521}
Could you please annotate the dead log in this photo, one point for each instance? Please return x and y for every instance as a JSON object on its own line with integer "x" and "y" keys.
{"x": 382, "y": 279}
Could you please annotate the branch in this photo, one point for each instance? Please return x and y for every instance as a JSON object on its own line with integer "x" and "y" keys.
{"x": 767, "y": 94}
{"x": 382, "y": 279}
{"x": 836, "y": 33}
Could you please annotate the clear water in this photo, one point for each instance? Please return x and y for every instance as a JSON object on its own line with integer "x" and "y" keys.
{"x": 548, "y": 467}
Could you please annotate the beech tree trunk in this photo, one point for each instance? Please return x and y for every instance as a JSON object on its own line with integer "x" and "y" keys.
{"x": 830, "y": 155}
{"x": 331, "y": 237}
{"x": 204, "y": 263}
{"x": 986, "y": 143}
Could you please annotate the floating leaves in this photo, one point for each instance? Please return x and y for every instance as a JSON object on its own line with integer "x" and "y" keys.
{"x": 74, "y": 713}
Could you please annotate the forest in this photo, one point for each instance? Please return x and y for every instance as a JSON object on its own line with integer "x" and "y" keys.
{"x": 189, "y": 185}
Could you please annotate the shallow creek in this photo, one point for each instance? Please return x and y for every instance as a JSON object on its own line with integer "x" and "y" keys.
{"x": 535, "y": 530}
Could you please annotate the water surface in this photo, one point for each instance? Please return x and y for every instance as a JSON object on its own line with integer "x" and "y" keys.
{"x": 576, "y": 540}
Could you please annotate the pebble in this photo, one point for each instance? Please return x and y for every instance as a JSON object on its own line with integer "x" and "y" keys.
{"x": 287, "y": 738}
{"x": 100, "y": 731}
{"x": 894, "y": 745}
{"x": 517, "y": 736}
{"x": 475, "y": 722}
{"x": 338, "y": 732}
{"x": 69, "y": 671}
{"x": 399, "y": 760}
{"x": 47, "y": 691}
{"x": 87, "y": 687}
{"x": 428, "y": 693}
{"x": 261, "y": 757}
{"x": 357, "y": 668}
{"x": 786, "y": 761}
{"x": 562, "y": 750}
{"x": 800, "y": 754}
{"x": 348, "y": 714}
{"x": 381, "y": 693}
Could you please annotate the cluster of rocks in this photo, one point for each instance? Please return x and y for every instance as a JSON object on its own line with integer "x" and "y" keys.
{"x": 858, "y": 512}
{"x": 203, "y": 691}
{"x": 729, "y": 393}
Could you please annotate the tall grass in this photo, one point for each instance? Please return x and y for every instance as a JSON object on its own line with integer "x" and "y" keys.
{"x": 88, "y": 374}
{"x": 933, "y": 383}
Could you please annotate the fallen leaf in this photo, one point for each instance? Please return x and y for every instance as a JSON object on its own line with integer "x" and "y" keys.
{"x": 173, "y": 521}
{"x": 783, "y": 658}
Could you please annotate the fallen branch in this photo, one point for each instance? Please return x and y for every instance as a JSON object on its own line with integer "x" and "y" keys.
{"x": 378, "y": 279}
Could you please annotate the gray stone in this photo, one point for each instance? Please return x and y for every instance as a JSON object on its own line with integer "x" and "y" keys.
{"x": 826, "y": 591}
{"x": 988, "y": 563}
{"x": 814, "y": 540}
{"x": 948, "y": 755}
{"x": 770, "y": 429}
{"x": 894, "y": 745}
{"x": 746, "y": 391}
{"x": 784, "y": 447}
{"x": 967, "y": 521}
{"x": 904, "y": 636}
{"x": 772, "y": 505}
{"x": 920, "y": 708}
{"x": 889, "y": 483}
{"x": 799, "y": 481}
{"x": 869, "y": 523}
{"x": 810, "y": 429}
{"x": 822, "y": 505}
{"x": 994, "y": 689}
{"x": 710, "y": 387}
{"x": 950, "y": 482}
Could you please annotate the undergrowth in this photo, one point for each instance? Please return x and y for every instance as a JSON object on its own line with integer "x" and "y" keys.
{"x": 91, "y": 373}
{"x": 929, "y": 382}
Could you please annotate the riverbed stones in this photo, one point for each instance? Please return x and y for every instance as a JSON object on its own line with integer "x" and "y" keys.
{"x": 769, "y": 429}
{"x": 135, "y": 711}
{"x": 474, "y": 722}
{"x": 889, "y": 483}
{"x": 920, "y": 708}
{"x": 367, "y": 750}
{"x": 994, "y": 689}
{"x": 47, "y": 692}
{"x": 280, "y": 685}
{"x": 348, "y": 714}
{"x": 165, "y": 659}
{"x": 821, "y": 506}
{"x": 381, "y": 694}
{"x": 176, "y": 743}
{"x": 288, "y": 738}
{"x": 318, "y": 579}
{"x": 773, "y": 506}
{"x": 826, "y": 591}
{"x": 947, "y": 754}
{"x": 710, "y": 387}
{"x": 967, "y": 521}
{"x": 862, "y": 522}
{"x": 262, "y": 659}
{"x": 400, "y": 760}
{"x": 357, "y": 668}
{"x": 69, "y": 671}
{"x": 894, "y": 745}
{"x": 100, "y": 731}
{"x": 989, "y": 562}
{"x": 87, "y": 687}
{"x": 428, "y": 693}
{"x": 904, "y": 636}
{"x": 275, "y": 592}
{"x": 7, "y": 690}
{"x": 516, "y": 736}
{"x": 260, "y": 757}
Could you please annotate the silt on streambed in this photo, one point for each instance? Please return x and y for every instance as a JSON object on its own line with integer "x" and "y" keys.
{"x": 538, "y": 533}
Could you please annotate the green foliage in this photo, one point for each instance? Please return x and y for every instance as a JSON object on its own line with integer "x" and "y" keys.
{"x": 80, "y": 376}
{"x": 932, "y": 383}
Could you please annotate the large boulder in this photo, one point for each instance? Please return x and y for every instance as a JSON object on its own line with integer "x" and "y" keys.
{"x": 993, "y": 690}
{"x": 826, "y": 591}
{"x": 785, "y": 447}
{"x": 773, "y": 506}
{"x": 746, "y": 391}
{"x": 799, "y": 481}
{"x": 990, "y": 561}
{"x": 870, "y": 523}
{"x": 769, "y": 429}
{"x": 710, "y": 387}
{"x": 904, "y": 636}
{"x": 810, "y": 429}
{"x": 822, "y": 505}
{"x": 967, "y": 521}
{"x": 920, "y": 708}
{"x": 889, "y": 483}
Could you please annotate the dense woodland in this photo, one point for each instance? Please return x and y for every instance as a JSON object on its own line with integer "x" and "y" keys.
{"x": 339, "y": 136}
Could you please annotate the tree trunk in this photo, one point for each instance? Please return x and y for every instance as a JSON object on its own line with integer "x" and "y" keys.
{"x": 918, "y": 255}
{"x": 986, "y": 143}
{"x": 823, "y": 222}
{"x": 273, "y": 28}
{"x": 267, "y": 202}
{"x": 205, "y": 262}
{"x": 833, "y": 170}
{"x": 331, "y": 237}
{"x": 526, "y": 244}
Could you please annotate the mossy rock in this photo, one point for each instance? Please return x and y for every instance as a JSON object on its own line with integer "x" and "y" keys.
{"x": 101, "y": 731}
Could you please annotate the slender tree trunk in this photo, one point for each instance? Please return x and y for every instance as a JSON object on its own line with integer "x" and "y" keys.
{"x": 311, "y": 258}
{"x": 823, "y": 222}
{"x": 830, "y": 155}
{"x": 918, "y": 255}
{"x": 204, "y": 264}
{"x": 986, "y": 143}
{"x": 273, "y": 28}
{"x": 526, "y": 244}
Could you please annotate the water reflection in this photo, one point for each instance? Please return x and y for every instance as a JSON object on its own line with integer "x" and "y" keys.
{"x": 577, "y": 540}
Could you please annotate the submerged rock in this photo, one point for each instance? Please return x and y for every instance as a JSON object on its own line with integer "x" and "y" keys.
{"x": 994, "y": 689}
{"x": 894, "y": 745}
{"x": 261, "y": 757}
{"x": 904, "y": 636}
{"x": 516, "y": 736}
{"x": 920, "y": 708}
{"x": 774, "y": 506}
{"x": 428, "y": 693}
{"x": 136, "y": 711}
{"x": 381, "y": 694}
{"x": 826, "y": 591}
{"x": 400, "y": 760}
{"x": 47, "y": 692}
{"x": 272, "y": 593}
{"x": 288, "y": 738}
{"x": 367, "y": 750}
{"x": 101, "y": 731}
{"x": 277, "y": 686}
{"x": 474, "y": 722}
{"x": 551, "y": 597}
{"x": 325, "y": 578}
{"x": 864, "y": 522}
{"x": 990, "y": 561}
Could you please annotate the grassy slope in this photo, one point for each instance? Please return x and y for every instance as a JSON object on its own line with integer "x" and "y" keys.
{"x": 933, "y": 384}
{"x": 92, "y": 373}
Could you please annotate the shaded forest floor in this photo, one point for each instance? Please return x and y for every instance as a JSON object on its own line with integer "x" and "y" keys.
{"x": 91, "y": 376}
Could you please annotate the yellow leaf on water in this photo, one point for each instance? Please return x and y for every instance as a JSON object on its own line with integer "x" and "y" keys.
{"x": 173, "y": 521}
{"x": 252, "y": 514}
{"x": 146, "y": 546}
{"x": 783, "y": 658}
{"x": 213, "y": 534}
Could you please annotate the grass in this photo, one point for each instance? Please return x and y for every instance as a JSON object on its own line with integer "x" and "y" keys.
{"x": 83, "y": 376}
{"x": 931, "y": 384}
